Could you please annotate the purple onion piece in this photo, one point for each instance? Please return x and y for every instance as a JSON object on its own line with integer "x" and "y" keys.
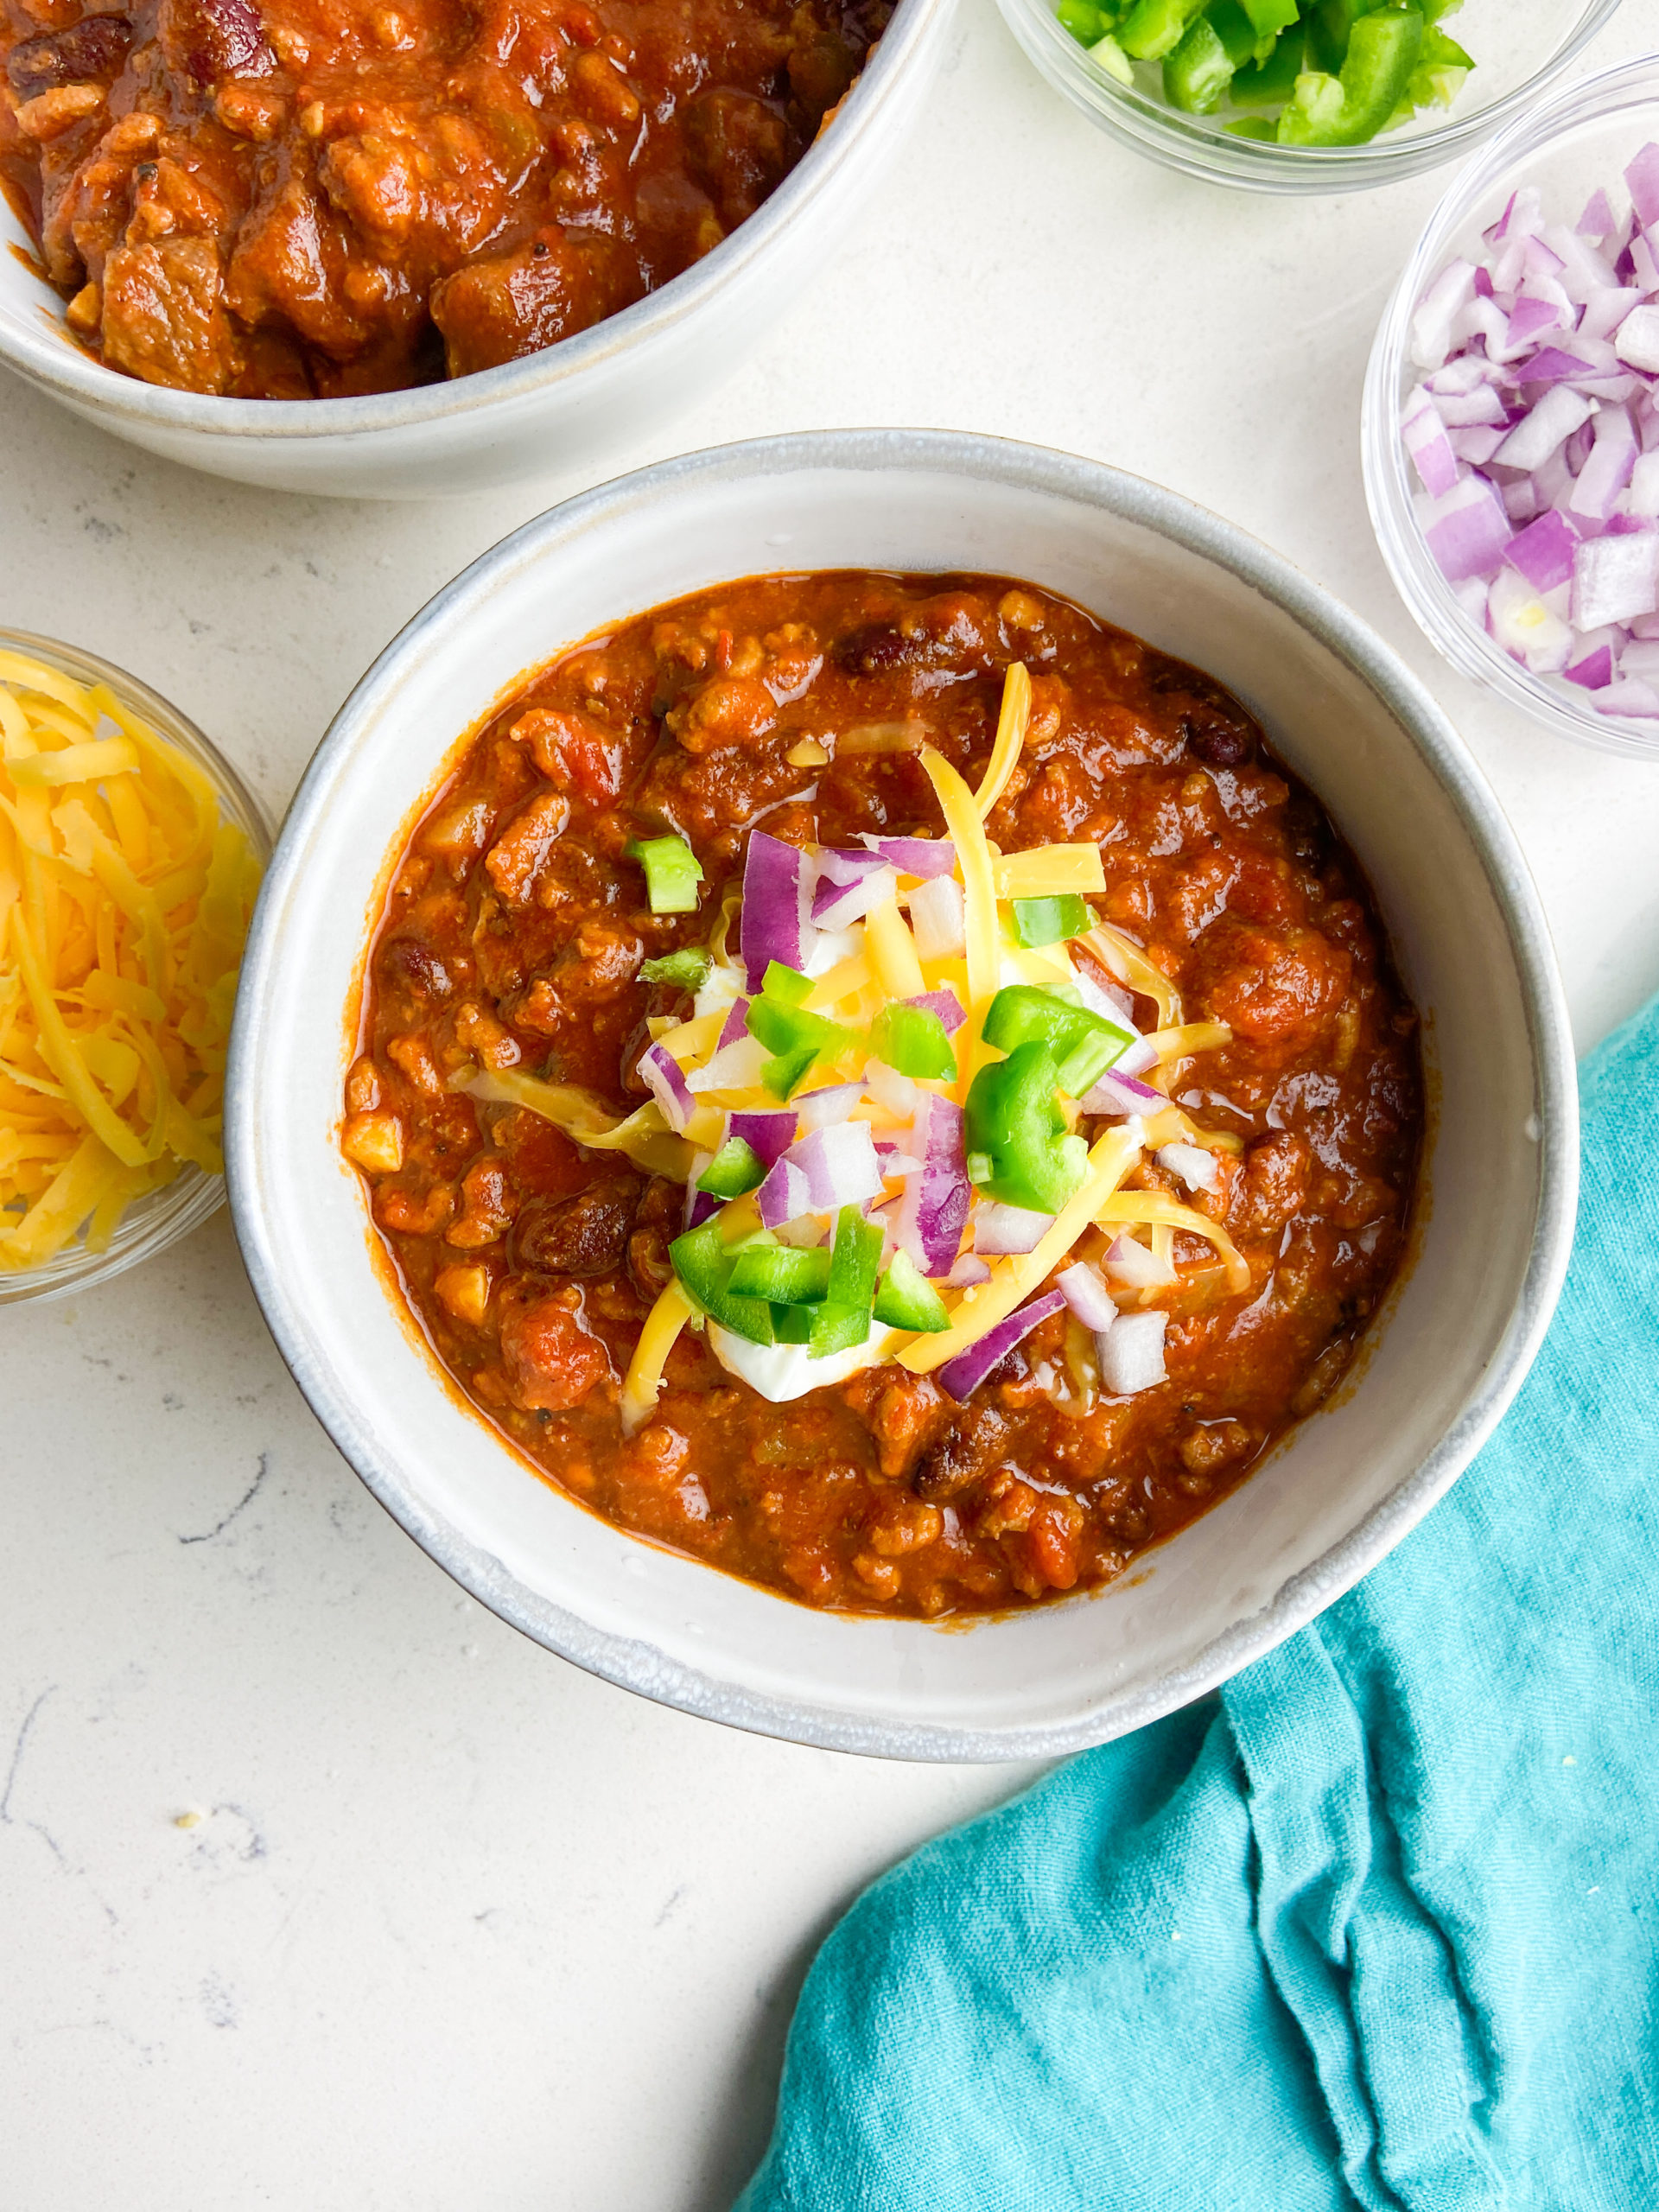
{"x": 921, "y": 856}
{"x": 818, "y": 1108}
{"x": 945, "y": 1004}
{"x": 662, "y": 1072}
{"x": 1543, "y": 550}
{"x": 932, "y": 1212}
{"x": 736, "y": 1025}
{"x": 1000, "y": 1229}
{"x": 767, "y": 1135}
{"x": 822, "y": 1172}
{"x": 773, "y": 924}
{"x": 963, "y": 1376}
{"x": 1116, "y": 1093}
{"x": 1087, "y": 1295}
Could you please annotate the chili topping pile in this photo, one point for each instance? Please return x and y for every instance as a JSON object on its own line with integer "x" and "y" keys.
{"x": 883, "y": 1085}
{"x": 287, "y": 199}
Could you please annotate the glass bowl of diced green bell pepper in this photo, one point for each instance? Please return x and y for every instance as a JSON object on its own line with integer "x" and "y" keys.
{"x": 1303, "y": 95}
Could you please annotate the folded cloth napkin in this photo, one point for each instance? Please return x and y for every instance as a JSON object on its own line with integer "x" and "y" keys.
{"x": 1375, "y": 1925}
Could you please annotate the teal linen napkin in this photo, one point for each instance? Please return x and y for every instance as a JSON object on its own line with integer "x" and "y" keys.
{"x": 1375, "y": 1925}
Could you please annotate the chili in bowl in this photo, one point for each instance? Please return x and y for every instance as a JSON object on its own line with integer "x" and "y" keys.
{"x": 1042, "y": 1051}
{"x": 419, "y": 249}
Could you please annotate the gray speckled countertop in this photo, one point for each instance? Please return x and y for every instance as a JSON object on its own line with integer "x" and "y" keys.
{"x": 322, "y": 1889}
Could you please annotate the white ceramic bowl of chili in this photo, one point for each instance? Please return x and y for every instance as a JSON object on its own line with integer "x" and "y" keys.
{"x": 1443, "y": 1357}
{"x": 629, "y": 373}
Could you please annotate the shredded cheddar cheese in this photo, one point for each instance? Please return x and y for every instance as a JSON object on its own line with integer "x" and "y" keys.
{"x": 978, "y": 880}
{"x": 1012, "y": 723}
{"x": 124, "y": 901}
{"x": 1049, "y": 871}
{"x": 643, "y": 1383}
{"x": 1156, "y": 1211}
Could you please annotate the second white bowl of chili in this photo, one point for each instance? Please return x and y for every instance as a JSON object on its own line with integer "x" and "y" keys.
{"x": 1493, "y": 1215}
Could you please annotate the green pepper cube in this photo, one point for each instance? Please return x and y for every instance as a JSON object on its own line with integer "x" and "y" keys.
{"x": 672, "y": 873}
{"x": 783, "y": 1075}
{"x": 854, "y": 1261}
{"x": 1082, "y": 18}
{"x": 1112, "y": 59}
{"x": 703, "y": 1265}
{"x": 1269, "y": 17}
{"x": 1351, "y": 109}
{"x": 913, "y": 1040}
{"x": 787, "y": 983}
{"x": 1084, "y": 1043}
{"x": 1051, "y": 921}
{"x": 734, "y": 1169}
{"x": 1196, "y": 77}
{"x": 1154, "y": 27}
{"x": 780, "y": 1274}
{"x": 906, "y": 1299}
{"x": 837, "y": 1328}
{"x": 1013, "y": 1118}
{"x": 793, "y": 1325}
{"x": 1271, "y": 82}
{"x": 688, "y": 968}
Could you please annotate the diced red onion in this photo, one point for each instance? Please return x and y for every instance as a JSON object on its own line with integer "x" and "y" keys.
{"x": 1471, "y": 531}
{"x": 1135, "y": 1059}
{"x": 1132, "y": 1355}
{"x": 1195, "y": 1168}
{"x": 963, "y": 1376}
{"x": 1595, "y": 672}
{"x": 1543, "y": 550}
{"x": 818, "y": 1108}
{"x": 822, "y": 1172}
{"x": 774, "y": 922}
{"x": 932, "y": 1212}
{"x": 937, "y": 918}
{"x": 736, "y": 1025}
{"x": 945, "y": 1004}
{"x": 699, "y": 1205}
{"x": 1117, "y": 1093}
{"x": 1087, "y": 1295}
{"x": 1423, "y": 428}
{"x": 661, "y": 1070}
{"x": 999, "y": 1229}
{"x": 1135, "y": 1265}
{"x": 895, "y": 1161}
{"x": 1541, "y": 391}
{"x": 968, "y": 1271}
{"x": 1614, "y": 578}
{"x": 1108, "y": 1000}
{"x": 923, "y": 856}
{"x": 888, "y": 1088}
{"x": 735, "y": 1067}
{"x": 768, "y": 1136}
{"x": 837, "y": 905}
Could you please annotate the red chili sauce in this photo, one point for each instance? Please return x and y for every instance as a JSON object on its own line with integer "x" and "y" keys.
{"x": 514, "y": 931}
{"x": 292, "y": 199}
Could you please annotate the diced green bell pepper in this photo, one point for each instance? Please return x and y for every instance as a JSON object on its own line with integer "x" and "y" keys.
{"x": 703, "y": 1264}
{"x": 1051, "y": 921}
{"x": 1350, "y": 109}
{"x": 1084, "y": 1044}
{"x": 836, "y": 1328}
{"x": 1270, "y": 83}
{"x": 913, "y": 1040}
{"x": 766, "y": 1269}
{"x": 733, "y": 1170}
{"x": 854, "y": 1260}
{"x": 672, "y": 873}
{"x": 1154, "y": 27}
{"x": 1112, "y": 59}
{"x": 797, "y": 1038}
{"x": 793, "y": 1325}
{"x": 1016, "y": 1131}
{"x": 1235, "y": 30}
{"x": 786, "y": 983}
{"x": 1269, "y": 17}
{"x": 689, "y": 967}
{"x": 905, "y": 1299}
{"x": 1196, "y": 77}
{"x": 1082, "y": 18}
{"x": 1254, "y": 126}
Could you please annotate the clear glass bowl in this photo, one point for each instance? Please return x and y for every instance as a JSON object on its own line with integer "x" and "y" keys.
{"x": 1582, "y": 138}
{"x": 1519, "y": 47}
{"x": 152, "y": 1223}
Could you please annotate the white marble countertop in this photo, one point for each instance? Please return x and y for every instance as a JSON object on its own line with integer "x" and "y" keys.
{"x": 324, "y": 1890}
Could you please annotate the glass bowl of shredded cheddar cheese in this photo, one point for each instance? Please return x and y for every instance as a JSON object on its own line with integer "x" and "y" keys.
{"x": 131, "y": 854}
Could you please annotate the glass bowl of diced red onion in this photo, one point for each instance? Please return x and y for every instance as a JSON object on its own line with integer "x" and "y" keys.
{"x": 1510, "y": 426}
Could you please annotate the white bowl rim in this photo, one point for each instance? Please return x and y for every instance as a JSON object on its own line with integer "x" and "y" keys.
{"x": 631, "y": 1663}
{"x": 51, "y": 359}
